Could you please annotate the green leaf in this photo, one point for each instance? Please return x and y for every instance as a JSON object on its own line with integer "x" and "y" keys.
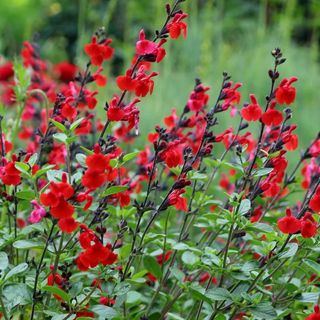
{"x": 27, "y": 244}
{"x": 33, "y": 159}
{"x": 81, "y": 158}
{"x": 61, "y": 137}
{"x": 262, "y": 172}
{"x": 25, "y": 195}
{"x": 22, "y": 167}
{"x": 130, "y": 156}
{"x": 152, "y": 266}
{"x": 87, "y": 151}
{"x": 244, "y": 207}
{"x": 122, "y": 288}
{"x": 133, "y": 297}
{"x": 292, "y": 249}
{"x": 263, "y": 310}
{"x": 59, "y": 125}
{"x": 219, "y": 294}
{"x": 104, "y": 312}
{"x": 4, "y": 262}
{"x": 114, "y": 190}
{"x": 54, "y": 175}
{"x": 20, "y": 268}
{"x": 199, "y": 293}
{"x": 43, "y": 170}
{"x": 59, "y": 292}
{"x": 309, "y": 297}
{"x": 76, "y": 124}
{"x": 189, "y": 258}
{"x": 180, "y": 246}
{"x": 314, "y": 266}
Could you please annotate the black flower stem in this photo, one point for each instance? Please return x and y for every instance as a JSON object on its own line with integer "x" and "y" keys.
{"x": 38, "y": 271}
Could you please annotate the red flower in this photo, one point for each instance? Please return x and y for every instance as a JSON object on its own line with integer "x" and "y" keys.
{"x": 315, "y": 201}
{"x": 98, "y": 52}
{"x": 289, "y": 224}
{"x": 285, "y": 94}
{"x": 198, "y": 98}
{"x": 176, "y": 26}
{"x": 308, "y": 226}
{"x": 172, "y": 155}
{"x": 57, "y": 198}
{"x": 315, "y": 315}
{"x": 107, "y": 301}
{"x": 10, "y": 175}
{"x": 151, "y": 49}
{"x": 68, "y": 225}
{"x": 315, "y": 149}
{"x": 272, "y": 117}
{"x": 65, "y": 71}
{"x": 95, "y": 253}
{"x": 163, "y": 257}
{"x": 6, "y": 71}
{"x": 252, "y": 112}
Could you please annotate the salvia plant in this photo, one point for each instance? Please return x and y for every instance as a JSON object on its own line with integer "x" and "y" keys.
{"x": 202, "y": 222}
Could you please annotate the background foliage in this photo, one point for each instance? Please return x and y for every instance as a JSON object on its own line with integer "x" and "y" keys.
{"x": 233, "y": 35}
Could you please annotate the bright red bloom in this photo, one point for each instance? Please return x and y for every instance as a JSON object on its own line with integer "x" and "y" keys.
{"x": 289, "y": 224}
{"x": 204, "y": 277}
{"x": 315, "y": 149}
{"x": 315, "y": 201}
{"x": 315, "y": 315}
{"x": 68, "y": 225}
{"x": 149, "y": 48}
{"x": 107, "y": 301}
{"x": 176, "y": 26}
{"x": 65, "y": 71}
{"x": 272, "y": 117}
{"x": 198, "y": 98}
{"x": 10, "y": 175}
{"x": 98, "y": 52}
{"x": 6, "y": 71}
{"x": 293, "y": 143}
{"x": 285, "y": 94}
{"x": 95, "y": 253}
{"x": 256, "y": 215}
{"x": 252, "y": 112}
{"x": 57, "y": 198}
{"x": 308, "y": 226}
{"x": 163, "y": 258}
{"x": 172, "y": 155}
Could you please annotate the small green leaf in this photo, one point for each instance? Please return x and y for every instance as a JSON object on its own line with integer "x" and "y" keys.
{"x": 25, "y": 195}
{"x": 59, "y": 125}
{"x": 133, "y": 297}
{"x": 54, "y": 175}
{"x": 61, "y": 137}
{"x": 20, "y": 268}
{"x": 219, "y": 294}
{"x": 43, "y": 170}
{"x": 104, "y": 312}
{"x": 292, "y": 249}
{"x": 59, "y": 292}
{"x": 152, "y": 266}
{"x": 262, "y": 172}
{"x": 314, "y": 266}
{"x": 22, "y": 167}
{"x": 263, "y": 310}
{"x": 81, "y": 158}
{"x": 122, "y": 288}
{"x": 76, "y": 124}
{"x": 26, "y": 244}
{"x": 114, "y": 190}
{"x": 130, "y": 156}
{"x": 33, "y": 159}
{"x": 244, "y": 207}
{"x": 189, "y": 258}
{"x": 4, "y": 262}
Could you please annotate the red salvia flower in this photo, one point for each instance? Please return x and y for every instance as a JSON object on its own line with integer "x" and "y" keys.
{"x": 251, "y": 112}
{"x": 272, "y": 117}
{"x": 65, "y": 71}
{"x": 9, "y": 174}
{"x": 315, "y": 201}
{"x": 285, "y": 94}
{"x": 163, "y": 257}
{"x": 98, "y": 52}
{"x": 68, "y": 225}
{"x": 289, "y": 224}
{"x": 315, "y": 315}
{"x": 308, "y": 226}
{"x": 176, "y": 26}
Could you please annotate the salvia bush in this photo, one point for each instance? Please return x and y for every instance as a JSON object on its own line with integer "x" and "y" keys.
{"x": 198, "y": 224}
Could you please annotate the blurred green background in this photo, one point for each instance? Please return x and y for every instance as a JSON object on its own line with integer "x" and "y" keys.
{"x": 224, "y": 35}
